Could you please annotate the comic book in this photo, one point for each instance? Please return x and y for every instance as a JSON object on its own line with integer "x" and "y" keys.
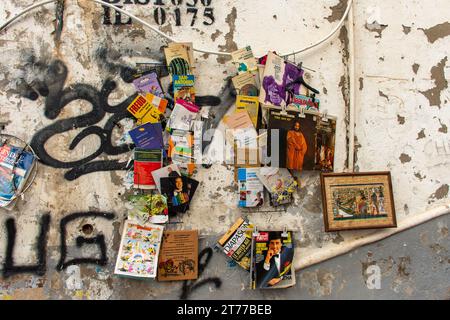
{"x": 184, "y": 88}
{"x": 236, "y": 243}
{"x": 146, "y": 161}
{"x": 139, "y": 250}
{"x": 272, "y": 260}
{"x": 277, "y": 87}
{"x": 178, "y": 259}
{"x": 280, "y": 184}
{"x": 251, "y": 190}
{"x": 148, "y": 208}
{"x": 15, "y": 167}
{"x": 244, "y": 60}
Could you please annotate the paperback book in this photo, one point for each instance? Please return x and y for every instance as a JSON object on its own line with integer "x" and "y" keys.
{"x": 144, "y": 111}
{"x": 251, "y": 190}
{"x": 149, "y": 83}
{"x": 249, "y": 104}
{"x": 245, "y": 84}
{"x": 148, "y": 208}
{"x": 280, "y": 184}
{"x": 244, "y": 60}
{"x": 182, "y": 115}
{"x": 184, "y": 88}
{"x": 148, "y": 136}
{"x": 145, "y": 162}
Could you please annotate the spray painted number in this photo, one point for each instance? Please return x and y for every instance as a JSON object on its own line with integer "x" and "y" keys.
{"x": 160, "y": 16}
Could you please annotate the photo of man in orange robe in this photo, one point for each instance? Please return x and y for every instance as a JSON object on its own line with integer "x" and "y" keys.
{"x": 296, "y": 148}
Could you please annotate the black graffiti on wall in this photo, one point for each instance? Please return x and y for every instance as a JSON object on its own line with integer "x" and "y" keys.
{"x": 51, "y": 84}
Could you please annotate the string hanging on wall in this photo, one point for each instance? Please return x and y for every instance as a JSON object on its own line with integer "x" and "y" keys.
{"x": 167, "y": 37}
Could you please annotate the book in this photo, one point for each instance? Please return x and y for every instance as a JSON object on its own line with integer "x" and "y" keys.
{"x": 184, "y": 87}
{"x": 182, "y": 115}
{"x": 245, "y": 84}
{"x": 249, "y": 104}
{"x": 144, "y": 111}
{"x": 148, "y": 208}
{"x": 178, "y": 259}
{"x": 244, "y": 59}
{"x": 251, "y": 190}
{"x": 146, "y": 161}
{"x": 139, "y": 250}
{"x": 277, "y": 88}
{"x": 179, "y": 192}
{"x": 149, "y": 83}
{"x": 272, "y": 256}
{"x": 15, "y": 167}
{"x": 158, "y": 102}
{"x": 168, "y": 171}
{"x": 148, "y": 136}
{"x": 236, "y": 243}
{"x": 300, "y": 101}
{"x": 181, "y": 151}
{"x": 280, "y": 184}
{"x": 178, "y": 59}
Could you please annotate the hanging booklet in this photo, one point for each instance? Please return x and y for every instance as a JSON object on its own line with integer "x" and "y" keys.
{"x": 169, "y": 171}
{"x": 148, "y": 208}
{"x": 178, "y": 259}
{"x": 245, "y": 84}
{"x": 158, "y": 102}
{"x": 236, "y": 243}
{"x": 249, "y": 104}
{"x": 276, "y": 87}
{"x": 182, "y": 115}
{"x": 244, "y": 60}
{"x": 178, "y": 59}
{"x": 149, "y": 83}
{"x": 272, "y": 256}
{"x": 179, "y": 192}
{"x": 144, "y": 111}
{"x": 280, "y": 184}
{"x": 139, "y": 250}
{"x": 184, "y": 88}
{"x": 145, "y": 162}
{"x": 148, "y": 136}
{"x": 181, "y": 148}
{"x": 300, "y": 101}
{"x": 251, "y": 190}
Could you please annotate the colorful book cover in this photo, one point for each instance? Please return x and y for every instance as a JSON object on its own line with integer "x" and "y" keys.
{"x": 182, "y": 115}
{"x": 181, "y": 148}
{"x": 280, "y": 184}
{"x": 148, "y": 208}
{"x": 158, "y": 102}
{"x": 178, "y": 59}
{"x": 251, "y": 190}
{"x": 184, "y": 87}
{"x": 148, "y": 136}
{"x": 300, "y": 101}
{"x": 245, "y": 84}
{"x": 146, "y": 161}
{"x": 272, "y": 256}
{"x": 168, "y": 171}
{"x": 139, "y": 250}
{"x": 178, "y": 259}
{"x": 15, "y": 167}
{"x": 277, "y": 88}
{"x": 244, "y": 59}
{"x": 149, "y": 83}
{"x": 236, "y": 243}
{"x": 249, "y": 104}
{"x": 179, "y": 192}
{"x": 144, "y": 111}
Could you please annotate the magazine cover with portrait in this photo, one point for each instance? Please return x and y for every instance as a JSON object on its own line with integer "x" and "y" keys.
{"x": 179, "y": 192}
{"x": 304, "y": 143}
{"x": 272, "y": 256}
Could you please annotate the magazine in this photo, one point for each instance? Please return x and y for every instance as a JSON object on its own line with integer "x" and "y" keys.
{"x": 149, "y": 83}
{"x": 148, "y": 136}
{"x": 280, "y": 184}
{"x": 184, "y": 88}
{"x": 277, "y": 88}
{"x": 178, "y": 259}
{"x": 179, "y": 192}
{"x": 148, "y": 208}
{"x": 251, "y": 190}
{"x": 245, "y": 84}
{"x": 15, "y": 167}
{"x": 236, "y": 243}
{"x": 182, "y": 115}
{"x": 169, "y": 171}
{"x": 144, "y": 111}
{"x": 181, "y": 148}
{"x": 244, "y": 60}
{"x": 146, "y": 161}
{"x": 300, "y": 101}
{"x": 272, "y": 256}
{"x": 249, "y": 104}
{"x": 139, "y": 250}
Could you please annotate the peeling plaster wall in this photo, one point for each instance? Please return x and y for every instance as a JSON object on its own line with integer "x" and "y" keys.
{"x": 402, "y": 125}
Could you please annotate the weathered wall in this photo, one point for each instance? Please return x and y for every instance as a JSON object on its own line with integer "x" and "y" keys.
{"x": 401, "y": 124}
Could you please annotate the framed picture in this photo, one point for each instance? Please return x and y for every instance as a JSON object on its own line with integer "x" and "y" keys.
{"x": 357, "y": 201}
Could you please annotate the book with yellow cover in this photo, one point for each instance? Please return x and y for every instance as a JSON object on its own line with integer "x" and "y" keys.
{"x": 144, "y": 111}
{"x": 249, "y": 104}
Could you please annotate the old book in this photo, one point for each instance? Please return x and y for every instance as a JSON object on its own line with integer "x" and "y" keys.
{"x": 149, "y": 83}
{"x": 272, "y": 256}
{"x": 245, "y": 84}
{"x": 146, "y": 161}
{"x": 178, "y": 259}
{"x": 184, "y": 87}
{"x": 280, "y": 184}
{"x": 182, "y": 115}
{"x": 236, "y": 243}
{"x": 251, "y": 190}
{"x": 178, "y": 59}
{"x": 139, "y": 250}
{"x": 147, "y": 136}
{"x": 249, "y": 104}
{"x": 144, "y": 111}
{"x": 244, "y": 60}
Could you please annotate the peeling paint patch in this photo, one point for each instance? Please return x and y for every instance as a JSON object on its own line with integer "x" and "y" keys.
{"x": 337, "y": 11}
{"x": 437, "y": 32}
{"x": 421, "y": 135}
{"x": 415, "y": 67}
{"x": 376, "y": 27}
{"x": 400, "y": 119}
{"x": 215, "y": 35}
{"x": 406, "y": 30}
{"x": 230, "y": 44}
{"x": 361, "y": 83}
{"x": 443, "y": 127}
{"x": 419, "y": 176}
{"x": 438, "y": 75}
{"x": 404, "y": 158}
{"x": 441, "y": 193}
{"x": 381, "y": 93}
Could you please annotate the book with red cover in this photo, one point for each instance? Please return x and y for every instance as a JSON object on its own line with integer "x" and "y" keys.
{"x": 145, "y": 162}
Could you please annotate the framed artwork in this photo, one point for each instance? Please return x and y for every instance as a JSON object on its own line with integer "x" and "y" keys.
{"x": 357, "y": 201}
